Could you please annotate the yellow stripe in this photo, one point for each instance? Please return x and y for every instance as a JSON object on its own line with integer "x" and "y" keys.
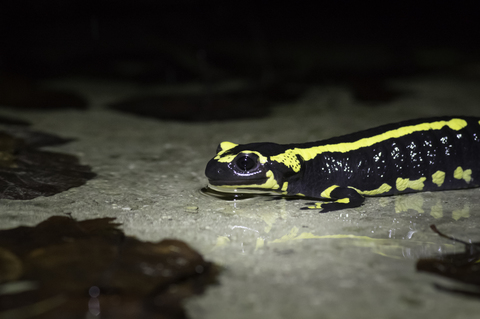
{"x": 326, "y": 193}
{"x": 225, "y": 146}
{"x": 312, "y": 152}
{"x": 384, "y": 188}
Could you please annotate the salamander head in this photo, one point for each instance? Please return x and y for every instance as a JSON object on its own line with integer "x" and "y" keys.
{"x": 248, "y": 166}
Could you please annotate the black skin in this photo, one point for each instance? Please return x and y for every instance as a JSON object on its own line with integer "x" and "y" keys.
{"x": 355, "y": 200}
{"x": 412, "y": 156}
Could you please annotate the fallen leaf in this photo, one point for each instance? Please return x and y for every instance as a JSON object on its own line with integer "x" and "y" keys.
{"x": 90, "y": 267}
{"x": 26, "y": 172}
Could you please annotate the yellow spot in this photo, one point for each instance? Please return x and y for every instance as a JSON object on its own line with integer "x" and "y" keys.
{"x": 458, "y": 173}
{"x": 326, "y": 193}
{"x": 461, "y": 213}
{"x": 285, "y": 186}
{"x": 310, "y": 153}
{"x": 437, "y": 210}
{"x": 404, "y": 183}
{"x": 289, "y": 159}
{"x": 406, "y": 202}
{"x": 317, "y": 206}
{"x": 438, "y": 178}
{"x": 466, "y": 175}
{"x": 384, "y": 188}
{"x": 345, "y": 200}
{"x": 225, "y": 146}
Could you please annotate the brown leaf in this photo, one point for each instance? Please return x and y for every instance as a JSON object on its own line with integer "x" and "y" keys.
{"x": 91, "y": 266}
{"x": 26, "y": 172}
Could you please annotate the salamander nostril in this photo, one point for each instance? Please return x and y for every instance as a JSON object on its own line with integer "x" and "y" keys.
{"x": 245, "y": 163}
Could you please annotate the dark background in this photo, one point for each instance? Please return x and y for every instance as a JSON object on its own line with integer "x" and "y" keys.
{"x": 173, "y": 42}
{"x": 59, "y": 37}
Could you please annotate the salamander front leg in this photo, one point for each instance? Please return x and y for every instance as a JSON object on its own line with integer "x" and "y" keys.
{"x": 342, "y": 197}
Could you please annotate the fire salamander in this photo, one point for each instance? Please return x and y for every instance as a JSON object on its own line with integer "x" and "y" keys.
{"x": 418, "y": 155}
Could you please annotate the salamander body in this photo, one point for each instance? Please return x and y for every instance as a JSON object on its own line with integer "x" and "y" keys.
{"x": 417, "y": 155}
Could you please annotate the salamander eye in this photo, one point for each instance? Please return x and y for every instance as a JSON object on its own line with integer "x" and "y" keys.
{"x": 245, "y": 163}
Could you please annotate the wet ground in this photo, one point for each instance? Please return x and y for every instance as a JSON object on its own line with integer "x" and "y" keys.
{"x": 279, "y": 261}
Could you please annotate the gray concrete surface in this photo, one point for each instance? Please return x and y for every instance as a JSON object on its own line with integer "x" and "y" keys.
{"x": 279, "y": 261}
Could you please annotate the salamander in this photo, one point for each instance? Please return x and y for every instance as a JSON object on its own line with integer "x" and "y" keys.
{"x": 429, "y": 154}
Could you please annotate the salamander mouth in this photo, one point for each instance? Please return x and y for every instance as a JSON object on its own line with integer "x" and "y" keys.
{"x": 258, "y": 181}
{"x": 240, "y": 190}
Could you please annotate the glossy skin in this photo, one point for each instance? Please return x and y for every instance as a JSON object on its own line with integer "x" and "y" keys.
{"x": 417, "y": 155}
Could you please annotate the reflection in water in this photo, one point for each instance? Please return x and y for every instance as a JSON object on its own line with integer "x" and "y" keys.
{"x": 437, "y": 210}
{"x": 463, "y": 267}
{"x": 230, "y": 196}
{"x": 260, "y": 243}
{"x": 387, "y": 247}
{"x": 222, "y": 241}
{"x": 400, "y": 238}
{"x": 461, "y": 213}
{"x": 416, "y": 202}
{"x": 243, "y": 227}
{"x": 402, "y": 203}
{"x": 94, "y": 303}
